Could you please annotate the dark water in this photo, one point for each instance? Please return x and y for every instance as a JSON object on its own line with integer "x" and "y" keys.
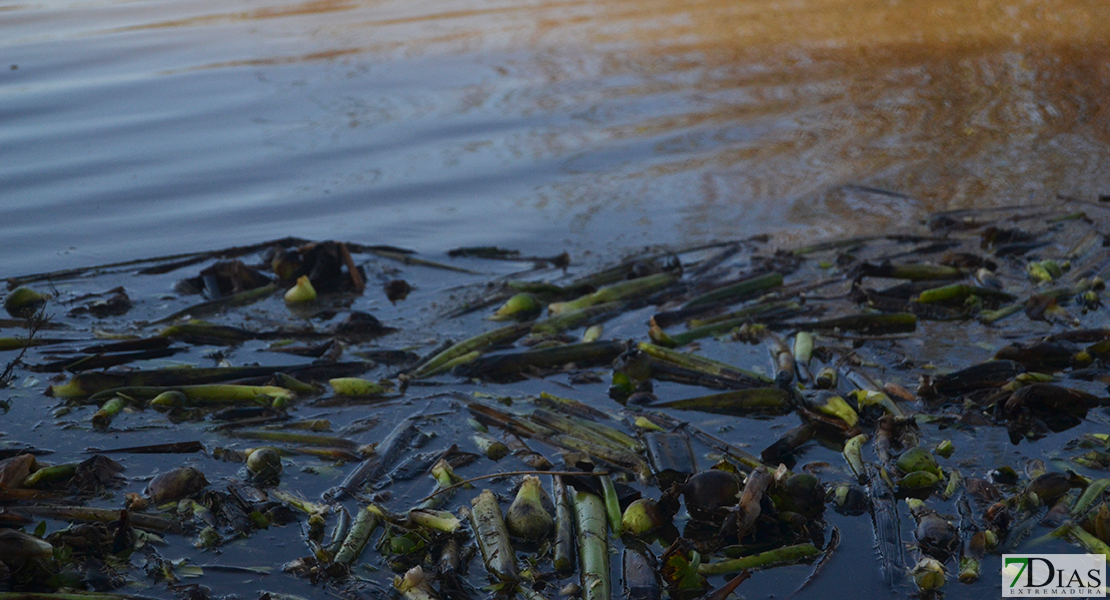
{"x": 135, "y": 128}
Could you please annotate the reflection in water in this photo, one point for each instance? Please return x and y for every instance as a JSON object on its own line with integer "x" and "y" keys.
{"x": 319, "y": 7}
{"x": 146, "y": 127}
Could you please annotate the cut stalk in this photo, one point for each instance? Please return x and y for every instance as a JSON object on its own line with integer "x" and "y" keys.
{"x": 294, "y": 385}
{"x": 205, "y": 394}
{"x": 739, "y": 291}
{"x": 867, "y": 323}
{"x": 493, "y": 537}
{"x": 406, "y": 257}
{"x": 571, "y": 407}
{"x": 445, "y": 479}
{"x": 959, "y": 292}
{"x": 625, "y": 459}
{"x": 509, "y": 365}
{"x": 1089, "y": 542}
{"x": 803, "y": 353}
{"x": 953, "y": 484}
{"x": 87, "y": 384}
{"x": 355, "y": 386}
{"x": 368, "y": 471}
{"x": 331, "y": 454}
{"x": 526, "y": 455}
{"x": 704, "y": 365}
{"x": 483, "y": 340}
{"x": 205, "y": 308}
{"x": 521, "y": 307}
{"x": 735, "y": 402}
{"x": 912, "y": 272}
{"x": 340, "y": 531}
{"x": 102, "y": 418}
{"x": 587, "y": 430}
{"x": 970, "y": 568}
{"x": 205, "y": 333}
{"x": 492, "y": 448}
{"x": 836, "y": 407}
{"x": 887, "y": 528}
{"x": 50, "y": 474}
{"x": 540, "y": 288}
{"x": 576, "y": 318}
{"x": 718, "y": 325}
{"x": 563, "y": 554}
{"x": 786, "y": 554}
{"x": 306, "y": 506}
{"x": 826, "y": 379}
{"x": 989, "y": 317}
{"x": 612, "y": 505}
{"x": 14, "y": 343}
{"x": 593, "y": 546}
{"x": 866, "y": 398}
{"x": 170, "y": 448}
{"x": 492, "y": 417}
{"x": 439, "y": 520}
{"x": 102, "y": 515}
{"x": 455, "y": 362}
{"x": 835, "y": 244}
{"x": 726, "y": 322}
{"x": 1093, "y": 492}
{"x": 624, "y": 290}
{"x": 368, "y": 519}
{"x": 294, "y": 437}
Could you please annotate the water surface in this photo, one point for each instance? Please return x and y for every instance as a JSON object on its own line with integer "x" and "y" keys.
{"x": 135, "y": 128}
{"x": 145, "y": 127}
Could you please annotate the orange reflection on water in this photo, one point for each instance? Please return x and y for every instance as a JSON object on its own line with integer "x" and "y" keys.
{"x": 713, "y": 118}
{"x": 951, "y": 103}
{"x": 768, "y": 110}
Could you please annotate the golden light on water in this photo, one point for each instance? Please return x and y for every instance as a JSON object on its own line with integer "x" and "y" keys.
{"x": 790, "y": 112}
{"x": 580, "y": 124}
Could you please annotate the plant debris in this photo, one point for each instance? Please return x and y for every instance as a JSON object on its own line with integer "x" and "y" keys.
{"x": 386, "y": 445}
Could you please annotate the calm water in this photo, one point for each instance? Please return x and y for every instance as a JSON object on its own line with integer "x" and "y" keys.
{"x": 140, "y": 127}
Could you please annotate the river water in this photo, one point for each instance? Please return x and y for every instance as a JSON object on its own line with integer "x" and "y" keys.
{"x": 144, "y": 127}
{"x": 133, "y": 128}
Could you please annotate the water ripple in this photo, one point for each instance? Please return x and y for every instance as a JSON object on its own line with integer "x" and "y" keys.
{"x": 151, "y": 126}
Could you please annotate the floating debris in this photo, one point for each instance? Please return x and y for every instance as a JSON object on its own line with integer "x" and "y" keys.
{"x": 805, "y": 353}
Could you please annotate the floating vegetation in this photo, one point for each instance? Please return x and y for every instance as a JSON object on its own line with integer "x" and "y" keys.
{"x": 425, "y": 452}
